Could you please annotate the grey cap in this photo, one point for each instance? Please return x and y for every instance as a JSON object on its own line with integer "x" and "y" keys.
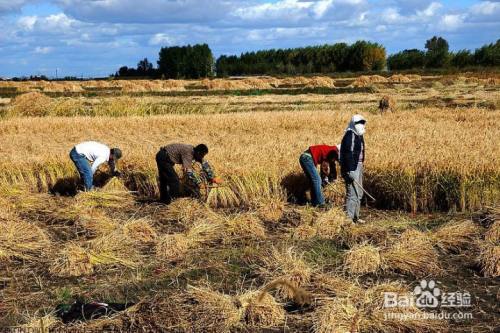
{"x": 117, "y": 153}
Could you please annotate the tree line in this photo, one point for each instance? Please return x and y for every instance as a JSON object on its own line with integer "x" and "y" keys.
{"x": 437, "y": 55}
{"x": 197, "y": 61}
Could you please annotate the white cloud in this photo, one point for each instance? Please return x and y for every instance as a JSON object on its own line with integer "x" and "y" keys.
{"x": 12, "y": 6}
{"x": 321, "y": 7}
{"x": 151, "y": 11}
{"x": 27, "y": 22}
{"x": 43, "y": 49}
{"x": 58, "y": 21}
{"x": 431, "y": 10}
{"x": 451, "y": 22}
{"x": 486, "y": 8}
{"x": 291, "y": 9}
{"x": 162, "y": 39}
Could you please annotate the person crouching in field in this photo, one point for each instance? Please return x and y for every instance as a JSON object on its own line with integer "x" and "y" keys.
{"x": 325, "y": 156}
{"x": 97, "y": 153}
{"x": 352, "y": 156}
{"x": 183, "y": 154}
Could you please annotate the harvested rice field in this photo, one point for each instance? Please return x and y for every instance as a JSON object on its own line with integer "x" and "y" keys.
{"x": 250, "y": 256}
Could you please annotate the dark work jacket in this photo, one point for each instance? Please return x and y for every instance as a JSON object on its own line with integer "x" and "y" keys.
{"x": 350, "y": 148}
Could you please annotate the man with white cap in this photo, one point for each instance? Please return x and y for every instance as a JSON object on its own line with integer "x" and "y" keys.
{"x": 97, "y": 153}
{"x": 352, "y": 156}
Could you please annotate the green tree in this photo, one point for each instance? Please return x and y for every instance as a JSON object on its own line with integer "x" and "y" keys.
{"x": 488, "y": 55}
{"x": 462, "y": 58}
{"x": 437, "y": 55}
{"x": 407, "y": 59}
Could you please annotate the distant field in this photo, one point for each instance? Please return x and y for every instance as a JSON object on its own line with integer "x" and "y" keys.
{"x": 437, "y": 153}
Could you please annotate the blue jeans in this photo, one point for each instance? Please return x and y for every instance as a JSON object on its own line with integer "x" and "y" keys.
{"x": 307, "y": 164}
{"x": 83, "y": 167}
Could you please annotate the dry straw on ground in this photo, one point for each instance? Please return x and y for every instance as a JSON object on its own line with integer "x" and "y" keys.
{"x": 39, "y": 323}
{"x": 93, "y": 223}
{"x": 412, "y": 254}
{"x": 364, "y": 81}
{"x": 222, "y": 197}
{"x": 356, "y": 233}
{"x": 362, "y": 259}
{"x": 489, "y": 257}
{"x": 287, "y": 265}
{"x": 21, "y": 240}
{"x": 492, "y": 235}
{"x": 32, "y": 104}
{"x": 72, "y": 260}
{"x": 260, "y": 310}
{"x": 399, "y": 78}
{"x": 243, "y": 226}
{"x": 115, "y": 250}
{"x": 213, "y": 311}
{"x": 187, "y": 211}
{"x": 338, "y": 286}
{"x": 455, "y": 236}
{"x": 367, "y": 314}
{"x": 175, "y": 247}
{"x": 172, "y": 247}
{"x": 335, "y": 193}
{"x": 332, "y": 223}
{"x": 140, "y": 230}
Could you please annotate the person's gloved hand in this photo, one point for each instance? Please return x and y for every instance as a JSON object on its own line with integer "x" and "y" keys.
{"x": 217, "y": 180}
{"x": 325, "y": 181}
{"x": 351, "y": 175}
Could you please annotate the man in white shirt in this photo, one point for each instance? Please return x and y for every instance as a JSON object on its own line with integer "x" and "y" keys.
{"x": 96, "y": 153}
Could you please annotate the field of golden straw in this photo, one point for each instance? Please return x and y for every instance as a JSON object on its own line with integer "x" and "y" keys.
{"x": 247, "y": 256}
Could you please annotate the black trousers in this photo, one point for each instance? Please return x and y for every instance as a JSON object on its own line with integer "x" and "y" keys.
{"x": 169, "y": 180}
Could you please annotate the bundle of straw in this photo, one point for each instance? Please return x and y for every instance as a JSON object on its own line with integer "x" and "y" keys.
{"x": 72, "y": 260}
{"x": 243, "y": 226}
{"x": 287, "y": 265}
{"x": 492, "y": 235}
{"x": 337, "y": 286}
{"x": 489, "y": 258}
{"x": 94, "y": 223}
{"x": 362, "y": 259}
{"x": 222, "y": 197}
{"x": 115, "y": 249}
{"x": 331, "y": 224}
{"x": 113, "y": 195}
{"x": 335, "y": 193}
{"x": 412, "y": 254}
{"x": 271, "y": 209}
{"x": 174, "y": 247}
{"x": 140, "y": 230}
{"x": 370, "y": 232}
{"x": 304, "y": 232}
{"x": 338, "y": 315}
{"x": 455, "y": 236}
{"x": 39, "y": 324}
{"x": 260, "y": 309}
{"x": 214, "y": 312}
{"x": 187, "y": 211}
{"x": 21, "y": 240}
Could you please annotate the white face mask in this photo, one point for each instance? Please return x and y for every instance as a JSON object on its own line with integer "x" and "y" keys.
{"x": 360, "y": 129}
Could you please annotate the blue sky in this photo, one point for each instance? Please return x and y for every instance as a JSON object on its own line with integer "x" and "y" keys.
{"x": 96, "y": 37}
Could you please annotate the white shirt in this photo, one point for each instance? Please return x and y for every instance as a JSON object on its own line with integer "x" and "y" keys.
{"x": 95, "y": 152}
